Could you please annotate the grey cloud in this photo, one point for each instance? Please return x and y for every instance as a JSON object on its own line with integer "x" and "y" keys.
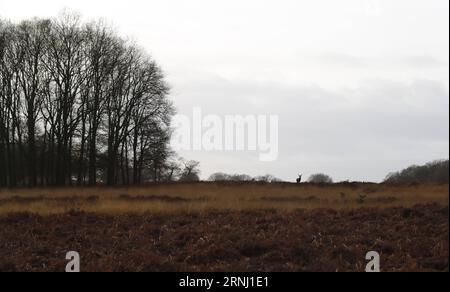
{"x": 339, "y": 59}
{"x": 424, "y": 61}
{"x": 380, "y": 126}
{"x": 349, "y": 60}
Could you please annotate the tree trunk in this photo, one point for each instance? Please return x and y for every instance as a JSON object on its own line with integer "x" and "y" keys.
{"x": 32, "y": 164}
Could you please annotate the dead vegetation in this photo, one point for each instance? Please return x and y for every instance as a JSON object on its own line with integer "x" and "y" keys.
{"x": 203, "y": 197}
{"x": 408, "y": 239}
{"x": 226, "y": 227}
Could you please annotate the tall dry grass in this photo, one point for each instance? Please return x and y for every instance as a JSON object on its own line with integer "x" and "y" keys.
{"x": 199, "y": 197}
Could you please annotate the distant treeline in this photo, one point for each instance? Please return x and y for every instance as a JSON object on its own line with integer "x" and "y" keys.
{"x": 433, "y": 172}
{"x": 79, "y": 105}
{"x": 224, "y": 177}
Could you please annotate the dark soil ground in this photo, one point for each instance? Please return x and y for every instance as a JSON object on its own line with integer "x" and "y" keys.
{"x": 415, "y": 239}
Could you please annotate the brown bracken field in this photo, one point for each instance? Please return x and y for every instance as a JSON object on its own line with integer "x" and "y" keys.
{"x": 238, "y": 227}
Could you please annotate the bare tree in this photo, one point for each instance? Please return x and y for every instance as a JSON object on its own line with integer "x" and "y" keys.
{"x": 4, "y": 128}
{"x": 223, "y": 177}
{"x": 77, "y": 101}
{"x": 11, "y": 122}
{"x": 268, "y": 178}
{"x": 64, "y": 62}
{"x": 320, "y": 178}
{"x": 102, "y": 58}
{"x": 173, "y": 169}
{"x": 432, "y": 172}
{"x": 30, "y": 44}
{"x": 191, "y": 171}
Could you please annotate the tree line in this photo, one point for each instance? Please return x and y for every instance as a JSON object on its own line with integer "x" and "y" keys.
{"x": 80, "y": 105}
{"x": 436, "y": 172}
{"x": 268, "y": 178}
{"x": 224, "y": 177}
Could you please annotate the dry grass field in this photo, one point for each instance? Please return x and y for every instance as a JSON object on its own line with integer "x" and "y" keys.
{"x": 226, "y": 227}
{"x": 204, "y": 197}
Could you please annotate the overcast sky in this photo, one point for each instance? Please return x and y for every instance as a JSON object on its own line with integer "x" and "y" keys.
{"x": 361, "y": 87}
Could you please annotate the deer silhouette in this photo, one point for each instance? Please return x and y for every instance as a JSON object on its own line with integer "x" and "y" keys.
{"x": 299, "y": 179}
